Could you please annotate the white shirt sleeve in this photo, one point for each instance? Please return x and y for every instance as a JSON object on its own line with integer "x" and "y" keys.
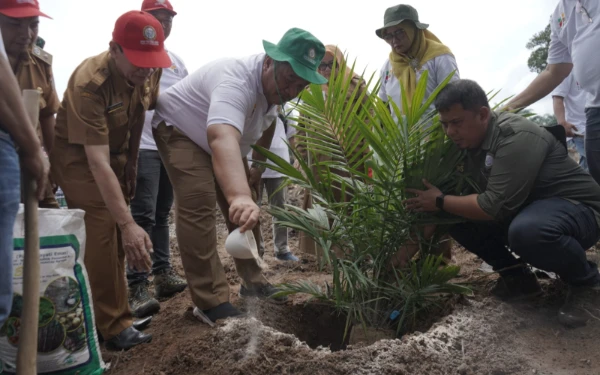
{"x": 445, "y": 64}
{"x": 563, "y": 89}
{"x": 229, "y": 104}
{"x": 558, "y": 52}
{"x": 383, "y": 95}
{"x": 184, "y": 72}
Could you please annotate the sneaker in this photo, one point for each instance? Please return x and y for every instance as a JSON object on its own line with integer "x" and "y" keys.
{"x": 516, "y": 286}
{"x": 265, "y": 291}
{"x": 581, "y": 305}
{"x": 168, "y": 283}
{"x": 287, "y": 257}
{"x": 141, "y": 302}
{"x": 223, "y": 311}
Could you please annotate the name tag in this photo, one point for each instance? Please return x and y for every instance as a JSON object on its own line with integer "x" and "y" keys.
{"x": 114, "y": 107}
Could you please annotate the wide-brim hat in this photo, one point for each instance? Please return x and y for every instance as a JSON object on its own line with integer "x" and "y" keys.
{"x": 302, "y": 50}
{"x": 398, "y": 14}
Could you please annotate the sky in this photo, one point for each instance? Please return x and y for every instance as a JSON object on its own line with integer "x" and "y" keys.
{"x": 488, "y": 38}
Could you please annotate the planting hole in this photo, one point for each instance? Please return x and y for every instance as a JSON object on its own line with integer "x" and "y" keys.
{"x": 315, "y": 324}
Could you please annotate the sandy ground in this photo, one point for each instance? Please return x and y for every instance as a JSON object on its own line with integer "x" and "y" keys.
{"x": 478, "y": 335}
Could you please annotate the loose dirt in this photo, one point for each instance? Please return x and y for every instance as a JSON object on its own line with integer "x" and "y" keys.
{"x": 476, "y": 335}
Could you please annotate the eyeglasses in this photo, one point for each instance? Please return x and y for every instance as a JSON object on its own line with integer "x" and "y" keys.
{"x": 398, "y": 34}
{"x": 324, "y": 66}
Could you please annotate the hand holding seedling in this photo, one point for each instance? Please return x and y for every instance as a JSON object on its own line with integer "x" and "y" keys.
{"x": 424, "y": 200}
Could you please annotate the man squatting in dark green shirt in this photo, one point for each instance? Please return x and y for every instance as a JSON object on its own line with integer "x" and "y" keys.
{"x": 533, "y": 199}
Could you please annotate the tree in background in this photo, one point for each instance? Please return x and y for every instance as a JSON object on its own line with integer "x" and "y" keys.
{"x": 537, "y": 62}
{"x": 547, "y": 119}
{"x": 539, "y": 43}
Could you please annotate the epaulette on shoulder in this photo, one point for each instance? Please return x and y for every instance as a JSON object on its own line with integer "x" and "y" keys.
{"x": 42, "y": 55}
{"x": 98, "y": 79}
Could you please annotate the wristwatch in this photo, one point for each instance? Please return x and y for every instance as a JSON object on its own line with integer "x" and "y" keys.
{"x": 439, "y": 201}
{"x": 260, "y": 167}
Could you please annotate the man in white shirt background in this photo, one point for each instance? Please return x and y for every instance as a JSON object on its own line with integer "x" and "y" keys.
{"x": 153, "y": 198}
{"x": 272, "y": 182}
{"x": 568, "y": 100}
{"x": 204, "y": 126}
{"x": 574, "y": 46}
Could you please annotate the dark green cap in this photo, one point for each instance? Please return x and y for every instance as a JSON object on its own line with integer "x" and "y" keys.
{"x": 302, "y": 51}
{"x": 397, "y": 14}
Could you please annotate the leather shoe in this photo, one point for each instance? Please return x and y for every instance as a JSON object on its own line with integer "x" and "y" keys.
{"x": 127, "y": 339}
{"x": 142, "y": 324}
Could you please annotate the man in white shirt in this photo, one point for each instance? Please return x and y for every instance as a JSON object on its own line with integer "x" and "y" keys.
{"x": 574, "y": 45}
{"x": 568, "y": 100}
{"x": 204, "y": 127}
{"x": 273, "y": 180}
{"x": 153, "y": 198}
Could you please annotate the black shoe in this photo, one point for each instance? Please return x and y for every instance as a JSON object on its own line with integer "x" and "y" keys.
{"x": 265, "y": 291}
{"x": 581, "y": 305}
{"x": 141, "y": 302}
{"x": 223, "y": 311}
{"x": 167, "y": 284}
{"x": 142, "y": 324}
{"x": 517, "y": 285}
{"x": 127, "y": 339}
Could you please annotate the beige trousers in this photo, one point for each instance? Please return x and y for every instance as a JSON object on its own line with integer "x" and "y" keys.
{"x": 196, "y": 193}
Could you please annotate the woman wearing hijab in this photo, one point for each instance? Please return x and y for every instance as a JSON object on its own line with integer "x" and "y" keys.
{"x": 333, "y": 59}
{"x": 414, "y": 49}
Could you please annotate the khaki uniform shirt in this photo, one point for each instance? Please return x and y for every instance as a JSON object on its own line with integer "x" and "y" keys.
{"x": 34, "y": 72}
{"x": 99, "y": 107}
{"x": 520, "y": 162}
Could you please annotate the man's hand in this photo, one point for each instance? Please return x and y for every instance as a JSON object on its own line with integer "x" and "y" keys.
{"x": 37, "y": 166}
{"x": 137, "y": 246}
{"x": 244, "y": 212}
{"x": 131, "y": 177}
{"x": 570, "y": 129}
{"x": 424, "y": 200}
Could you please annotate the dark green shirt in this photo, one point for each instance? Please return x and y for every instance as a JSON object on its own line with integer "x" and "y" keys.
{"x": 520, "y": 162}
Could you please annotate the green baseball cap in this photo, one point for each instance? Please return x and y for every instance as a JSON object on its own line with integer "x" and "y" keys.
{"x": 398, "y": 14}
{"x": 302, "y": 51}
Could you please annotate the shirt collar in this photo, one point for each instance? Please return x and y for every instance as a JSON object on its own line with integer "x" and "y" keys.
{"x": 121, "y": 84}
{"x": 489, "y": 134}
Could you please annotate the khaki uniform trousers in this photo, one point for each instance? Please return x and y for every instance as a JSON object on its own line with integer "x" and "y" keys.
{"x": 196, "y": 193}
{"x": 104, "y": 254}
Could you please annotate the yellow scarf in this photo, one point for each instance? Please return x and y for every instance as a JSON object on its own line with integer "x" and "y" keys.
{"x": 425, "y": 46}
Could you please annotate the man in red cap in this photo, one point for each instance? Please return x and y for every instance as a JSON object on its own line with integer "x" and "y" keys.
{"x": 15, "y": 129}
{"x": 32, "y": 67}
{"x": 154, "y": 194}
{"x": 94, "y": 160}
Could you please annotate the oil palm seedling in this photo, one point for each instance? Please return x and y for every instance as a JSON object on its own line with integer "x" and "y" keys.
{"x": 358, "y": 219}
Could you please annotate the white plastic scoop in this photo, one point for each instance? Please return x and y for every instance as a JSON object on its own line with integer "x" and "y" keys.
{"x": 242, "y": 245}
